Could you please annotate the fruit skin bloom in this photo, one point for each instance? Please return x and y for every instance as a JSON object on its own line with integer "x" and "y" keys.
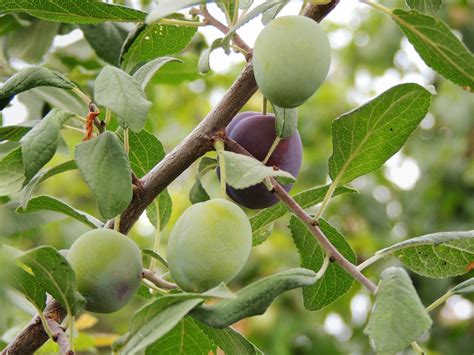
{"x": 209, "y": 244}
{"x": 108, "y": 268}
{"x": 291, "y": 60}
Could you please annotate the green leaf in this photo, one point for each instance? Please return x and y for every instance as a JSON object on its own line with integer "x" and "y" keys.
{"x": 365, "y": 138}
{"x": 9, "y": 23}
{"x": 436, "y": 255}
{"x": 286, "y": 121}
{"x": 272, "y": 12}
{"x": 30, "y": 78}
{"x": 27, "y": 284}
{"x": 156, "y": 256}
{"x": 69, "y": 11}
{"x": 244, "y": 171}
{"x": 14, "y": 133}
{"x": 253, "y": 299}
{"x": 336, "y": 281}
{"x": 42, "y": 176}
{"x": 204, "y": 64}
{"x": 104, "y": 166}
{"x": 185, "y": 338}
{"x": 106, "y": 39}
{"x": 148, "y": 42}
{"x": 206, "y": 165}
{"x": 430, "y": 7}
{"x": 305, "y": 199}
{"x": 438, "y": 46}
{"x": 39, "y": 145}
{"x": 55, "y": 275}
{"x": 398, "y": 316}
{"x": 198, "y": 193}
{"x": 165, "y": 205}
{"x": 122, "y": 94}
{"x": 230, "y": 340}
{"x": 155, "y": 320}
{"x": 12, "y": 172}
{"x": 145, "y": 151}
{"x": 49, "y": 203}
{"x": 464, "y": 287}
{"x": 177, "y": 73}
{"x": 146, "y": 72}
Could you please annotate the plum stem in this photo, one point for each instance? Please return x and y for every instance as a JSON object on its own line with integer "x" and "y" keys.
{"x": 370, "y": 261}
{"x": 82, "y": 95}
{"x": 108, "y": 116}
{"x": 219, "y": 146}
{"x": 272, "y": 149}
{"x": 156, "y": 243}
{"x": 327, "y": 198}
{"x": 264, "y": 105}
{"x": 417, "y": 348}
{"x": 324, "y": 267}
{"x": 157, "y": 280}
{"x": 126, "y": 144}
{"x": 439, "y": 301}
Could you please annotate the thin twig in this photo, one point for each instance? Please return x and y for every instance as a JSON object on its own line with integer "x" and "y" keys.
{"x": 157, "y": 280}
{"x": 60, "y": 338}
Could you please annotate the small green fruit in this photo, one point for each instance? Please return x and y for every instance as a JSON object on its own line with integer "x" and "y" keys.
{"x": 108, "y": 268}
{"x": 291, "y": 60}
{"x": 209, "y": 244}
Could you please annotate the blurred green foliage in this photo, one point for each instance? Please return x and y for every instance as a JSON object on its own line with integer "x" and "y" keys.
{"x": 372, "y": 53}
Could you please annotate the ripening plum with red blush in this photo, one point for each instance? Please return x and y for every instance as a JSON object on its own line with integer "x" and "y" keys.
{"x": 256, "y": 133}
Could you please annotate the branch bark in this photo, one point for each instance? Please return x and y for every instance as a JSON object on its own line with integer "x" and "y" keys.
{"x": 196, "y": 144}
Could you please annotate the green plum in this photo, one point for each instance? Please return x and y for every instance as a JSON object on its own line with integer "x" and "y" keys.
{"x": 291, "y": 60}
{"x": 108, "y": 268}
{"x": 209, "y": 244}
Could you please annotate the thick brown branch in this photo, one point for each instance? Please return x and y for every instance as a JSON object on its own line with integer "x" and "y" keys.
{"x": 310, "y": 223}
{"x": 197, "y": 143}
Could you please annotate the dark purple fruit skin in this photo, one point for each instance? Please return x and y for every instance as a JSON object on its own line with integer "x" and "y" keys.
{"x": 256, "y": 133}
{"x": 239, "y": 117}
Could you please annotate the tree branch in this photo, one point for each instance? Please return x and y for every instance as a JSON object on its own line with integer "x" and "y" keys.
{"x": 310, "y": 223}
{"x": 196, "y": 144}
{"x": 157, "y": 280}
{"x": 60, "y": 338}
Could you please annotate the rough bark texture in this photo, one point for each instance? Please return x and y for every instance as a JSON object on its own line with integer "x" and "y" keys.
{"x": 196, "y": 144}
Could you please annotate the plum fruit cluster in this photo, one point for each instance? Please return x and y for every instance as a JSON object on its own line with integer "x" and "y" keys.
{"x": 108, "y": 268}
{"x": 291, "y": 60}
{"x": 256, "y": 133}
{"x": 209, "y": 244}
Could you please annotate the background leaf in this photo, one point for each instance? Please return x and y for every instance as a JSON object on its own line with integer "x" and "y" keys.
{"x": 14, "y": 133}
{"x": 69, "y": 11}
{"x": 396, "y": 304}
{"x": 437, "y": 255}
{"x": 286, "y": 122}
{"x": 122, "y": 94}
{"x": 335, "y": 281}
{"x": 438, "y": 46}
{"x": 39, "y": 145}
{"x": 30, "y": 78}
{"x": 49, "y": 203}
{"x": 149, "y": 42}
{"x": 105, "y": 168}
{"x": 365, "y": 138}
{"x": 430, "y": 7}
{"x": 165, "y": 204}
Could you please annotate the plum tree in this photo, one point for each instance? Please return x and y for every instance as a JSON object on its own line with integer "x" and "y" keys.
{"x": 108, "y": 269}
{"x": 256, "y": 133}
{"x": 209, "y": 244}
{"x": 291, "y": 59}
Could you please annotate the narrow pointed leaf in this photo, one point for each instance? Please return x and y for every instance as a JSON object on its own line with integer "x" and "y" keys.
{"x": 464, "y": 287}
{"x": 286, "y": 121}
{"x": 398, "y": 316}
{"x": 438, "y": 46}
{"x": 443, "y": 254}
{"x": 165, "y": 205}
{"x": 253, "y": 299}
{"x": 14, "y": 133}
{"x": 146, "y": 72}
{"x": 12, "y": 172}
{"x": 26, "y": 283}
{"x": 48, "y": 203}
{"x": 365, "y": 138}
{"x": 104, "y": 166}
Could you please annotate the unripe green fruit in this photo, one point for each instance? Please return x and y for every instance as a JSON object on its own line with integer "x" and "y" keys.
{"x": 291, "y": 59}
{"x": 209, "y": 244}
{"x": 108, "y": 268}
